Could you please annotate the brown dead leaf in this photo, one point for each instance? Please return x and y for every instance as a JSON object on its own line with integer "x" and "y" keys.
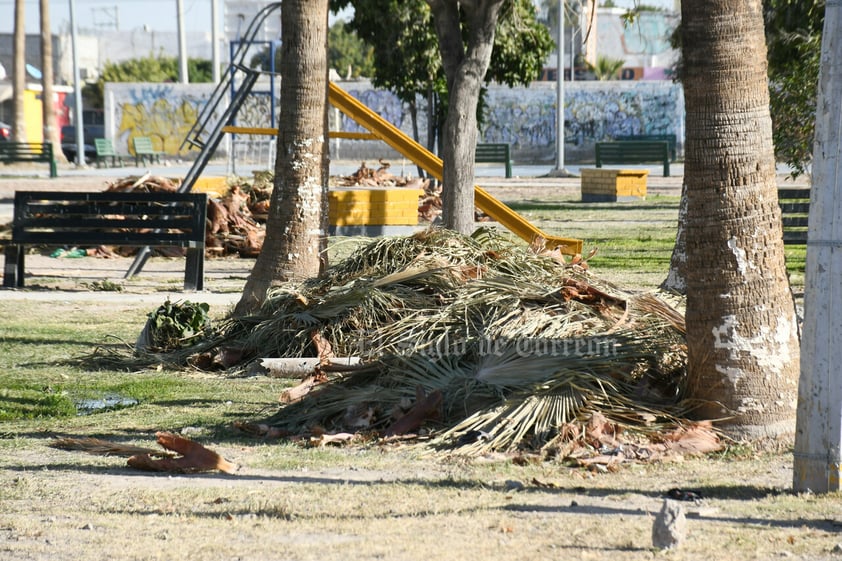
{"x": 426, "y": 407}
{"x": 325, "y": 439}
{"x": 194, "y": 457}
{"x": 695, "y": 438}
{"x": 260, "y": 430}
{"x": 324, "y": 349}
{"x": 298, "y": 392}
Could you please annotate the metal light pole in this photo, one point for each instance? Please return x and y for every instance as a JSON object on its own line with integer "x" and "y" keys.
{"x": 182, "y": 44}
{"x": 215, "y": 41}
{"x": 560, "y": 170}
{"x": 77, "y": 90}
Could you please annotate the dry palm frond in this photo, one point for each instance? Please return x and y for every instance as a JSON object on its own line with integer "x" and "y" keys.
{"x": 99, "y": 447}
{"x": 519, "y": 345}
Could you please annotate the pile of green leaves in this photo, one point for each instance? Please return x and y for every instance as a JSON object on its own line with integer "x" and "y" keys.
{"x": 175, "y": 325}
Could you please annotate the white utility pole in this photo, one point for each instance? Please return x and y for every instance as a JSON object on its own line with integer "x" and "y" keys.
{"x": 182, "y": 44}
{"x": 560, "y": 170}
{"x": 818, "y": 437}
{"x": 77, "y": 90}
{"x": 215, "y": 42}
{"x": 559, "y": 162}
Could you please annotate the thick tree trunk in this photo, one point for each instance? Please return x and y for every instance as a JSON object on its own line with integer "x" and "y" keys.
{"x": 296, "y": 229}
{"x": 741, "y": 327}
{"x": 465, "y": 70}
{"x": 19, "y": 75}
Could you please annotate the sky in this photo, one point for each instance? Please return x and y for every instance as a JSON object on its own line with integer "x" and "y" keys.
{"x": 157, "y": 15}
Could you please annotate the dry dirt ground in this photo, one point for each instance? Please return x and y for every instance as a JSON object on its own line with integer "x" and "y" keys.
{"x": 348, "y": 504}
{"x": 291, "y": 503}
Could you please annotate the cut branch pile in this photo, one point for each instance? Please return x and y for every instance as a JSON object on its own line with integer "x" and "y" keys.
{"x": 236, "y": 221}
{"x": 475, "y": 342}
{"x": 232, "y": 227}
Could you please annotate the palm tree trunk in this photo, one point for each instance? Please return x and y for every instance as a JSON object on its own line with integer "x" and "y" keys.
{"x": 742, "y": 333}
{"x": 19, "y": 75}
{"x": 297, "y": 225}
{"x": 51, "y": 130}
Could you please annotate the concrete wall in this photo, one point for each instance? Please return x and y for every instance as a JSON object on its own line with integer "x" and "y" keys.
{"x": 526, "y": 117}
{"x": 522, "y": 117}
{"x": 163, "y": 112}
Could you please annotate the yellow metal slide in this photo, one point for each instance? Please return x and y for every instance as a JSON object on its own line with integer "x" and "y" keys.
{"x": 383, "y": 130}
{"x": 432, "y": 164}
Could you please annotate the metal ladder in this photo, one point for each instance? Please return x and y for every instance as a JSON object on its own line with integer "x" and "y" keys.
{"x": 206, "y": 133}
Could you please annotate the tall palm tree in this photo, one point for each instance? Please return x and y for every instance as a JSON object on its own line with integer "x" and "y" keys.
{"x": 51, "y": 130}
{"x": 741, "y": 326}
{"x": 296, "y": 229}
{"x": 19, "y": 74}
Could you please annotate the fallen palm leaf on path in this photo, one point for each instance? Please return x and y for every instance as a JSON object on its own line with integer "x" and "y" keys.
{"x": 181, "y": 456}
{"x": 100, "y": 447}
{"x": 194, "y": 457}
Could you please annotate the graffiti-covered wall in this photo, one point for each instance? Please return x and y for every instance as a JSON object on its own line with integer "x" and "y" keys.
{"x": 522, "y": 117}
{"x": 163, "y": 112}
{"x": 525, "y": 118}
{"x": 593, "y": 112}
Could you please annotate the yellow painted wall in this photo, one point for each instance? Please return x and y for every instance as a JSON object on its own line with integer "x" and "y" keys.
{"x": 33, "y": 116}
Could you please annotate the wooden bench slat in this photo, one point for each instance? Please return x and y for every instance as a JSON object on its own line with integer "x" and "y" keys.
{"x": 108, "y": 218}
{"x": 105, "y": 152}
{"x": 71, "y": 225}
{"x": 94, "y": 239}
{"x": 668, "y": 138}
{"x": 94, "y": 208}
{"x": 144, "y": 151}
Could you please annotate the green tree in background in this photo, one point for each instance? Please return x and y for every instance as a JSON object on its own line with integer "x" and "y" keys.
{"x": 152, "y": 69}
{"x": 607, "y": 68}
{"x": 349, "y": 55}
{"x": 793, "y": 37}
{"x": 407, "y": 60}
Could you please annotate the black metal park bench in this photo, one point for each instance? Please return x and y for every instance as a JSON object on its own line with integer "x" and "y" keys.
{"x": 108, "y": 218}
{"x": 494, "y": 154}
{"x": 11, "y": 152}
{"x": 633, "y": 152}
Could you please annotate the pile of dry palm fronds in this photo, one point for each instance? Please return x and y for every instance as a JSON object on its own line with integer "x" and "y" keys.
{"x": 505, "y": 347}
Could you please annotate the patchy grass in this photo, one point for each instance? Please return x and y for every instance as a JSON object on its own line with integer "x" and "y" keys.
{"x": 634, "y": 239}
{"x": 42, "y": 378}
{"x": 292, "y": 501}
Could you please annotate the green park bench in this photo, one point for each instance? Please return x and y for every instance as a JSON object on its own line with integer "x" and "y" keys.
{"x": 144, "y": 152}
{"x": 11, "y": 152}
{"x": 108, "y": 218}
{"x": 495, "y": 153}
{"x": 633, "y": 152}
{"x": 105, "y": 152}
{"x": 795, "y": 208}
{"x": 669, "y": 138}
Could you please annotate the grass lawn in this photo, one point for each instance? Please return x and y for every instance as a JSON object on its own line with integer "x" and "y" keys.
{"x": 294, "y": 501}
